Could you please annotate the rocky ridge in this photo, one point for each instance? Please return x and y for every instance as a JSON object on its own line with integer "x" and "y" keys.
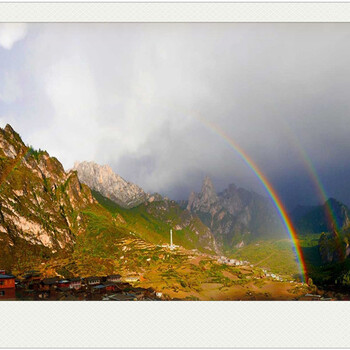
{"x": 235, "y": 215}
{"x": 102, "y": 178}
{"x": 40, "y": 204}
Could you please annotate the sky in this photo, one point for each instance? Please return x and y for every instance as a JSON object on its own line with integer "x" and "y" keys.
{"x": 132, "y": 96}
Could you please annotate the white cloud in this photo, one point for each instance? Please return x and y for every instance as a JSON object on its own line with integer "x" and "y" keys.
{"x": 10, "y": 90}
{"x": 123, "y": 94}
{"x": 10, "y": 33}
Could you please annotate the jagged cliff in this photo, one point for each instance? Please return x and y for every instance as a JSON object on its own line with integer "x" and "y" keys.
{"x": 40, "y": 204}
{"x": 235, "y": 215}
{"x": 111, "y": 185}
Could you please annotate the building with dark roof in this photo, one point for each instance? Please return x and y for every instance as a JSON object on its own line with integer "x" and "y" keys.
{"x": 7, "y": 281}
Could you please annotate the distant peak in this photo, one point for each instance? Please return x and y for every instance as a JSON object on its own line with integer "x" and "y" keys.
{"x": 332, "y": 201}
{"x": 93, "y": 164}
{"x": 207, "y": 184}
{"x": 103, "y": 179}
{"x": 232, "y": 187}
{"x": 208, "y": 190}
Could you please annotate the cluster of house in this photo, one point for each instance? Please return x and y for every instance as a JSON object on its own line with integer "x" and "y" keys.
{"x": 33, "y": 281}
{"x": 274, "y": 276}
{"x": 231, "y": 262}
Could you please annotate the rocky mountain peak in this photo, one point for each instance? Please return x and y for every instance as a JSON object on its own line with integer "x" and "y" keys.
{"x": 234, "y": 213}
{"x": 205, "y": 199}
{"x": 208, "y": 191}
{"x": 11, "y": 143}
{"x": 103, "y": 179}
{"x": 8, "y": 129}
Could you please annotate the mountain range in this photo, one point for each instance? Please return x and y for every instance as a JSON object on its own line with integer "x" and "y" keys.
{"x": 46, "y": 212}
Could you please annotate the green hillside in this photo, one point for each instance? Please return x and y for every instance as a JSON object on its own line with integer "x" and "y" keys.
{"x": 153, "y": 221}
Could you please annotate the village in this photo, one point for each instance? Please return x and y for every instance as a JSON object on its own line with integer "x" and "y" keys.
{"x": 154, "y": 272}
{"x": 32, "y": 286}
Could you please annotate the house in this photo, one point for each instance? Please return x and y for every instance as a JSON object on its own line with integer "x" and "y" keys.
{"x": 100, "y": 288}
{"x": 111, "y": 287}
{"x": 8, "y": 294}
{"x": 114, "y": 278}
{"x": 75, "y": 283}
{"x": 49, "y": 283}
{"x": 92, "y": 281}
{"x": 63, "y": 284}
{"x": 32, "y": 279}
{"x": 7, "y": 281}
{"x": 131, "y": 279}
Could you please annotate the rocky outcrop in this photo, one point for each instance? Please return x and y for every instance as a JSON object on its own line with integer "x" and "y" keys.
{"x": 234, "y": 215}
{"x": 40, "y": 203}
{"x": 205, "y": 200}
{"x": 111, "y": 185}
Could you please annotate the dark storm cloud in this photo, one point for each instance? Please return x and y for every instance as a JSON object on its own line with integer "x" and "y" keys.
{"x": 129, "y": 95}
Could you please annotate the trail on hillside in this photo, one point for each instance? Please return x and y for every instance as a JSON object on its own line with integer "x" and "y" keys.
{"x": 268, "y": 257}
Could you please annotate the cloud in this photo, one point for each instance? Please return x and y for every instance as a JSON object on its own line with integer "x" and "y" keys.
{"x": 10, "y": 90}
{"x": 126, "y": 95}
{"x": 10, "y": 33}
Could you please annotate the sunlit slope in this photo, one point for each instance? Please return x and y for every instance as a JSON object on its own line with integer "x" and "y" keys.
{"x": 152, "y": 222}
{"x": 277, "y": 256}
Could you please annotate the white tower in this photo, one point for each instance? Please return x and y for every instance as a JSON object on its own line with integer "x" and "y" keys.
{"x": 171, "y": 239}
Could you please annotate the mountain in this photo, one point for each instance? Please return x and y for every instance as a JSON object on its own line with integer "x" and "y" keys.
{"x": 321, "y": 218}
{"x": 111, "y": 185}
{"x": 236, "y": 215}
{"x": 41, "y": 205}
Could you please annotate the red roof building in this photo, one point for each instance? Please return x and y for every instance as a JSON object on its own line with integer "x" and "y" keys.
{"x": 7, "y": 281}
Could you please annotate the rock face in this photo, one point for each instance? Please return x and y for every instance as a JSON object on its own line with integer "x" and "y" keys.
{"x": 111, "y": 185}
{"x": 40, "y": 204}
{"x": 234, "y": 215}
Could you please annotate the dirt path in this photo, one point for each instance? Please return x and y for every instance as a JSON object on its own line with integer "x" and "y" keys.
{"x": 268, "y": 257}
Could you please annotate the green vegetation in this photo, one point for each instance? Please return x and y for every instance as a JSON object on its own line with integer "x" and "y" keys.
{"x": 35, "y": 153}
{"x": 153, "y": 221}
{"x": 275, "y": 255}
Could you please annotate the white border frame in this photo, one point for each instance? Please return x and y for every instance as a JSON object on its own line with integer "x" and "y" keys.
{"x": 174, "y": 324}
{"x": 174, "y": 12}
{"x": 187, "y": 324}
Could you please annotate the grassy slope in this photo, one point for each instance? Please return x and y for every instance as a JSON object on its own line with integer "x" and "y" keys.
{"x": 153, "y": 221}
{"x": 278, "y": 256}
{"x": 275, "y": 255}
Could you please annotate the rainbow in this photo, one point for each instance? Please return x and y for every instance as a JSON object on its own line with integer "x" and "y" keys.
{"x": 269, "y": 189}
{"x": 319, "y": 188}
{"x": 318, "y": 185}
